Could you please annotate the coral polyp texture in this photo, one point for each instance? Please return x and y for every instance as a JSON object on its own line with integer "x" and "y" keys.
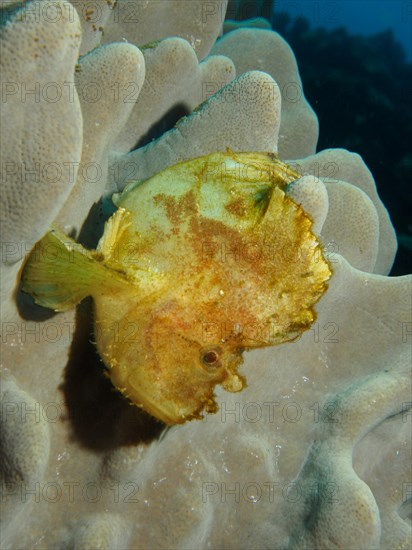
{"x": 315, "y": 451}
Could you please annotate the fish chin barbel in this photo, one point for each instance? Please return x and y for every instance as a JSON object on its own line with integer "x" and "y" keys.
{"x": 201, "y": 262}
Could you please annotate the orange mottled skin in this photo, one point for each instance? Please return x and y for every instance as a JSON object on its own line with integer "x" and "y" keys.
{"x": 201, "y": 262}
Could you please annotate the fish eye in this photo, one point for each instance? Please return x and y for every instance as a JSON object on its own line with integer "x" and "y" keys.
{"x": 211, "y": 358}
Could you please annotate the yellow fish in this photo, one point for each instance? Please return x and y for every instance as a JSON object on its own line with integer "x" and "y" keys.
{"x": 200, "y": 262}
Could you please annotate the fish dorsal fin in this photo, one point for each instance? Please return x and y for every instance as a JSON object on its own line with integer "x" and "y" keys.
{"x": 114, "y": 229}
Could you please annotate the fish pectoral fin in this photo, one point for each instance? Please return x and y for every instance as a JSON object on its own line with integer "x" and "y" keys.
{"x": 60, "y": 273}
{"x": 113, "y": 231}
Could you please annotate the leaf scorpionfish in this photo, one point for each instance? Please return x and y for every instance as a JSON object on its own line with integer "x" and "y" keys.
{"x": 199, "y": 263}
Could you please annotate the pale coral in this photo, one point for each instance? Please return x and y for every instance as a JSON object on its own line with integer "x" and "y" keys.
{"x": 259, "y": 49}
{"x": 175, "y": 78}
{"x": 108, "y": 81}
{"x": 342, "y": 165}
{"x": 144, "y": 21}
{"x": 315, "y": 452}
{"x": 41, "y": 129}
{"x": 230, "y": 118}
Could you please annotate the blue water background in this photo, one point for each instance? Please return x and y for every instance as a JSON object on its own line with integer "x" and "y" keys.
{"x": 364, "y": 17}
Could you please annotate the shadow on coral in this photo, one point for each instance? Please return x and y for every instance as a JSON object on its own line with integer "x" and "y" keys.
{"x": 93, "y": 227}
{"x": 167, "y": 122}
{"x": 101, "y": 418}
{"x": 28, "y": 309}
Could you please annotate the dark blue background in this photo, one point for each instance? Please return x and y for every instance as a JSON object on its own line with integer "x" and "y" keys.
{"x": 364, "y": 17}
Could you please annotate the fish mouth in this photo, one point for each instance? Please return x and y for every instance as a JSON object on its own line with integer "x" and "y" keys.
{"x": 171, "y": 412}
{"x": 164, "y": 406}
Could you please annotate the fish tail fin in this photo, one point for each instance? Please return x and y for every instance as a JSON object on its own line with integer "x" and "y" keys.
{"x": 60, "y": 272}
